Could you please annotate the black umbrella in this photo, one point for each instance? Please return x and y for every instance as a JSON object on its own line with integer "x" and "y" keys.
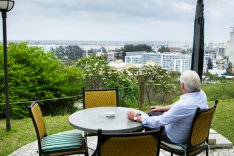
{"x": 198, "y": 40}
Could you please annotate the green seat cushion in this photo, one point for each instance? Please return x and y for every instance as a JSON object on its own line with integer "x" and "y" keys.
{"x": 179, "y": 148}
{"x": 176, "y": 147}
{"x": 64, "y": 141}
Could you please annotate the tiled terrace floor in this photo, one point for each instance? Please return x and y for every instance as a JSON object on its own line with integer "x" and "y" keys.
{"x": 31, "y": 150}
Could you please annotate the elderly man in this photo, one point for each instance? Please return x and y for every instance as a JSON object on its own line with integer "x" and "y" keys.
{"x": 177, "y": 118}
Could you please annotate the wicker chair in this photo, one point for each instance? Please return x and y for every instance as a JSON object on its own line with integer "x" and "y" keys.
{"x": 56, "y": 144}
{"x": 100, "y": 97}
{"x": 129, "y": 144}
{"x": 198, "y": 138}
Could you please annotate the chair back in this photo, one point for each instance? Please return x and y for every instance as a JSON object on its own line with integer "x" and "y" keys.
{"x": 38, "y": 121}
{"x": 129, "y": 144}
{"x": 100, "y": 97}
{"x": 201, "y": 125}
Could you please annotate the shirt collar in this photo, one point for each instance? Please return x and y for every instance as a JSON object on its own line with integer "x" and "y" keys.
{"x": 187, "y": 95}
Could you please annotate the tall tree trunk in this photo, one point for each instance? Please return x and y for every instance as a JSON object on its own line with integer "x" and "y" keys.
{"x": 142, "y": 95}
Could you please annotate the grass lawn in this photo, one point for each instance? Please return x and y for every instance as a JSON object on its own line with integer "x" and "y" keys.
{"x": 223, "y": 119}
{"x": 23, "y": 131}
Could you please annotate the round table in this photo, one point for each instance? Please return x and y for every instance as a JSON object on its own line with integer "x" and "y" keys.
{"x": 92, "y": 119}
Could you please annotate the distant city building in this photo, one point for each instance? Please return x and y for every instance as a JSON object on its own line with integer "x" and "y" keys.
{"x": 150, "y": 57}
{"x": 86, "y": 53}
{"x": 175, "y": 49}
{"x": 132, "y": 53}
{"x": 174, "y": 61}
{"x": 111, "y": 56}
{"x": 171, "y": 61}
{"x": 221, "y": 55}
{"x": 134, "y": 59}
{"x": 231, "y": 48}
{"x": 205, "y": 60}
{"x": 220, "y": 52}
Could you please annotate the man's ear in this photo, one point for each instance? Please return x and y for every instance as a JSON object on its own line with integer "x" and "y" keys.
{"x": 182, "y": 85}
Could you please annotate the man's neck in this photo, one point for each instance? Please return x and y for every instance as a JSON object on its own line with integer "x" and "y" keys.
{"x": 186, "y": 91}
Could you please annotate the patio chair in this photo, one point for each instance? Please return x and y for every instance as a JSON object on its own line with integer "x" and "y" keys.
{"x": 100, "y": 97}
{"x": 56, "y": 144}
{"x": 129, "y": 144}
{"x": 198, "y": 138}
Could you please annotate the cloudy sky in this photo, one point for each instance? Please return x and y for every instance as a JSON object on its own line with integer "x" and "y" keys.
{"x": 126, "y": 20}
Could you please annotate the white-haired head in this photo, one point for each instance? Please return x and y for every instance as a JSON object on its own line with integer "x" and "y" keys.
{"x": 191, "y": 80}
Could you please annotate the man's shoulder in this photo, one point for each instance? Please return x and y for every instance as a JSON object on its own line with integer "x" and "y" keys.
{"x": 190, "y": 100}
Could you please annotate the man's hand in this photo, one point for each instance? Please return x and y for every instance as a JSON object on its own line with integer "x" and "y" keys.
{"x": 156, "y": 109}
{"x": 160, "y": 108}
{"x": 131, "y": 115}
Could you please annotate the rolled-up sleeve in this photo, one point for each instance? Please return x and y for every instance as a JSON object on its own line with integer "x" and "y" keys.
{"x": 168, "y": 117}
{"x": 152, "y": 122}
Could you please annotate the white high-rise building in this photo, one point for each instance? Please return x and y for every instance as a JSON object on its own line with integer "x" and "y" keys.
{"x": 171, "y": 61}
{"x": 134, "y": 59}
{"x": 111, "y": 56}
{"x": 174, "y": 61}
{"x": 231, "y": 47}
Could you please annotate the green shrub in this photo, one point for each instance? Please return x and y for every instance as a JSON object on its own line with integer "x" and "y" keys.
{"x": 34, "y": 73}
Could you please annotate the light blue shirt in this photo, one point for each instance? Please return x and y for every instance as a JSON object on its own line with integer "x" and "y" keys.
{"x": 178, "y": 119}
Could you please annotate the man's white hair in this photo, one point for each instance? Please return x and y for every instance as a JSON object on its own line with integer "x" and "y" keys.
{"x": 191, "y": 80}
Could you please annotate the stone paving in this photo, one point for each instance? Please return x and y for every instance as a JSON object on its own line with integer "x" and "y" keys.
{"x": 31, "y": 150}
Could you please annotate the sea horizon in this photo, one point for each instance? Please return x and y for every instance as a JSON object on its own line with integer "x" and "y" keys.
{"x": 121, "y": 43}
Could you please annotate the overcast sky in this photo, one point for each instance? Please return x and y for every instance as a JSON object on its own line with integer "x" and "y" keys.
{"x": 114, "y": 20}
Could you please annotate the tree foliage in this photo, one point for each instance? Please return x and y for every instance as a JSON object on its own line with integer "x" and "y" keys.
{"x": 104, "y": 51}
{"x": 98, "y": 74}
{"x": 149, "y": 76}
{"x": 69, "y": 54}
{"x": 229, "y": 68}
{"x": 163, "y": 49}
{"x": 95, "y": 70}
{"x": 132, "y": 48}
{"x": 139, "y": 47}
{"x": 36, "y": 74}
